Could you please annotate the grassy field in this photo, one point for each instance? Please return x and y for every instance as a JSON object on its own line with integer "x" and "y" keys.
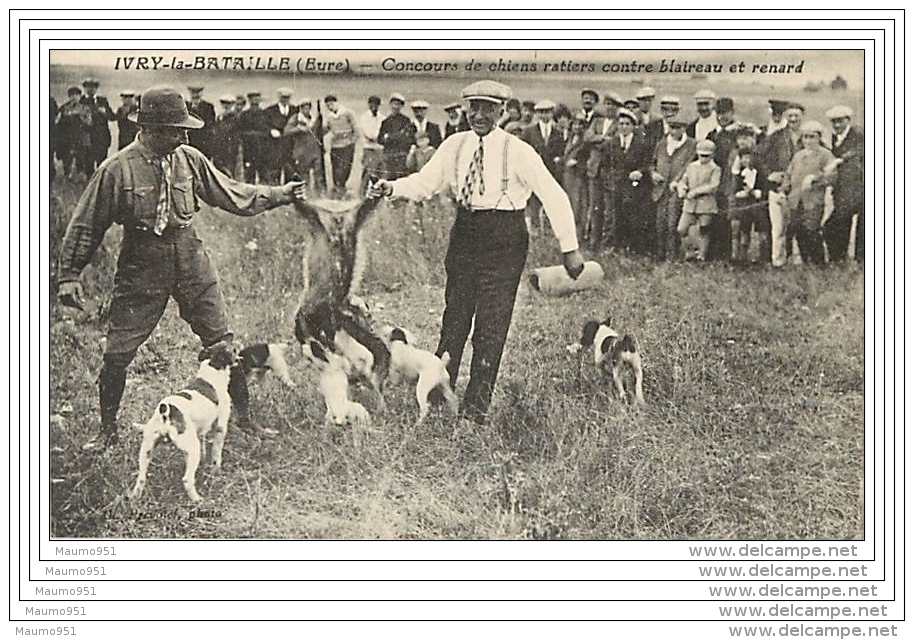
{"x": 753, "y": 379}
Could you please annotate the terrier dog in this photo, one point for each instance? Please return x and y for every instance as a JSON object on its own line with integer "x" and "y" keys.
{"x": 333, "y": 384}
{"x": 610, "y": 352}
{"x": 253, "y": 364}
{"x": 425, "y": 369}
{"x": 187, "y": 416}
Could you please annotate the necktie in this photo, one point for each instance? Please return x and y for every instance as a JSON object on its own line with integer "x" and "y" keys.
{"x": 162, "y": 208}
{"x": 624, "y": 143}
{"x": 474, "y": 178}
{"x": 547, "y": 133}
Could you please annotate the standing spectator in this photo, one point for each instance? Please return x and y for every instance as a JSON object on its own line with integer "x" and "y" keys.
{"x": 342, "y": 129}
{"x": 74, "y": 134}
{"x": 420, "y": 121}
{"x": 126, "y": 129}
{"x": 593, "y": 138}
{"x": 669, "y": 108}
{"x": 749, "y": 205}
{"x": 226, "y": 141}
{"x": 255, "y": 139}
{"x": 671, "y": 157}
{"x": 776, "y": 152}
{"x": 574, "y": 175}
{"x": 546, "y": 138}
{"x": 698, "y": 189}
{"x": 397, "y": 134}
{"x": 161, "y": 256}
{"x": 372, "y": 150}
{"x": 420, "y": 153}
{"x": 99, "y": 133}
{"x": 602, "y": 128}
{"x": 52, "y": 139}
{"x": 776, "y": 119}
{"x": 511, "y": 114}
{"x": 527, "y": 112}
{"x": 651, "y": 123}
{"x": 491, "y": 175}
{"x": 280, "y": 148}
{"x": 627, "y": 220}
{"x": 707, "y": 119}
{"x": 848, "y": 190}
{"x": 724, "y": 139}
{"x": 805, "y": 182}
{"x": 456, "y": 119}
{"x": 304, "y": 130}
{"x": 201, "y": 138}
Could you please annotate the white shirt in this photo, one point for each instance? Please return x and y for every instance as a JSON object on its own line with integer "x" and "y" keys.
{"x": 839, "y": 138}
{"x": 775, "y": 126}
{"x": 369, "y": 125}
{"x": 626, "y": 141}
{"x": 526, "y": 174}
{"x": 545, "y": 130}
{"x": 704, "y": 126}
{"x": 284, "y": 109}
{"x": 672, "y": 144}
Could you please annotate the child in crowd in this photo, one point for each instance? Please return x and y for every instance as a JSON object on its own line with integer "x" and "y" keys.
{"x": 698, "y": 189}
{"x": 748, "y": 207}
{"x": 419, "y": 153}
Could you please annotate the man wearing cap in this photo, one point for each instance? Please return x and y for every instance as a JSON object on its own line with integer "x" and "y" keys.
{"x": 126, "y": 129}
{"x": 420, "y": 121}
{"x": 74, "y": 127}
{"x": 456, "y": 119}
{"x": 848, "y": 189}
{"x": 304, "y": 130}
{"x": 627, "y": 219}
{"x": 669, "y": 108}
{"x": 491, "y": 175}
{"x": 397, "y": 134}
{"x": 776, "y": 151}
{"x": 226, "y": 141}
{"x": 671, "y": 157}
{"x": 807, "y": 177}
{"x": 544, "y": 136}
{"x": 651, "y": 123}
{"x": 99, "y": 133}
{"x": 205, "y": 111}
{"x": 372, "y": 150}
{"x": 724, "y": 138}
{"x": 776, "y": 120}
{"x": 153, "y": 187}
{"x": 341, "y": 132}
{"x": 706, "y": 121}
{"x": 254, "y": 129}
{"x": 280, "y": 148}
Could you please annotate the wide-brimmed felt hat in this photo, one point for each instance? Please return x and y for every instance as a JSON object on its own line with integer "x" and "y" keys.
{"x": 164, "y": 106}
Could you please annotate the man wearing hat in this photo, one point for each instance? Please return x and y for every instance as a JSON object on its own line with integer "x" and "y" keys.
{"x": 372, "y": 150}
{"x": 544, "y": 136}
{"x": 706, "y": 121}
{"x": 305, "y": 129}
{"x": 226, "y": 141}
{"x": 491, "y": 176}
{"x": 456, "y": 119}
{"x": 205, "y": 111}
{"x": 254, "y": 129}
{"x": 671, "y": 157}
{"x": 651, "y": 123}
{"x": 397, "y": 134}
{"x": 420, "y": 121}
{"x": 74, "y": 141}
{"x": 776, "y": 121}
{"x": 848, "y": 189}
{"x": 99, "y": 133}
{"x": 776, "y": 152}
{"x": 341, "y": 132}
{"x": 161, "y": 256}
{"x": 279, "y": 147}
{"x": 724, "y": 136}
{"x": 669, "y": 108}
{"x": 626, "y": 219}
{"x": 805, "y": 181}
{"x": 126, "y": 129}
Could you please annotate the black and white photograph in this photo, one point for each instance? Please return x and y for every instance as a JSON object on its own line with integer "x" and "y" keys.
{"x": 382, "y": 294}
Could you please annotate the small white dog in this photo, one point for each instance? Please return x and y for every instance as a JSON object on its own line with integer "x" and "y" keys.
{"x": 425, "y": 369}
{"x": 610, "y": 353}
{"x": 187, "y": 416}
{"x": 333, "y": 384}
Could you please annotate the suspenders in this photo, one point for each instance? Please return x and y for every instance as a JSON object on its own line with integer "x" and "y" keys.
{"x": 504, "y": 166}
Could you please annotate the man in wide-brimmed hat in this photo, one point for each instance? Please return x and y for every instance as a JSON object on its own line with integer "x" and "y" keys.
{"x": 153, "y": 187}
{"x": 99, "y": 133}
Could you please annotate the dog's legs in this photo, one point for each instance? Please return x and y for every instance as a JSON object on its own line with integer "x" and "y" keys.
{"x": 219, "y": 436}
{"x": 191, "y": 446}
{"x": 453, "y": 404}
{"x": 634, "y": 360}
{"x": 423, "y": 388}
{"x": 617, "y": 382}
{"x": 149, "y": 442}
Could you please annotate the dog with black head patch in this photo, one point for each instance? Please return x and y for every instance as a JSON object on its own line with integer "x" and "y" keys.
{"x": 333, "y": 383}
{"x": 611, "y": 353}
{"x": 254, "y": 362}
{"x": 188, "y": 415}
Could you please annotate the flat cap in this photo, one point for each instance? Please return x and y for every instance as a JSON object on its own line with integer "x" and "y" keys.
{"x": 724, "y": 103}
{"x": 419, "y": 104}
{"x": 839, "y": 112}
{"x": 632, "y": 103}
{"x": 777, "y": 105}
{"x": 126, "y": 93}
{"x": 397, "y": 96}
{"x": 705, "y": 95}
{"x": 588, "y": 91}
{"x": 705, "y": 148}
{"x": 625, "y": 113}
{"x": 670, "y": 100}
{"x": 452, "y": 106}
{"x": 284, "y": 92}
{"x": 90, "y": 81}
{"x": 227, "y": 99}
{"x": 747, "y": 129}
{"x": 486, "y": 90}
{"x": 614, "y": 97}
{"x": 797, "y": 106}
{"x": 195, "y": 88}
{"x": 544, "y": 105}
{"x": 253, "y": 94}
{"x": 678, "y": 121}
{"x": 812, "y": 126}
{"x": 306, "y": 100}
{"x": 645, "y": 93}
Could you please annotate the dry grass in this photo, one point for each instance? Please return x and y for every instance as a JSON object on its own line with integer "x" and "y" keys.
{"x": 753, "y": 428}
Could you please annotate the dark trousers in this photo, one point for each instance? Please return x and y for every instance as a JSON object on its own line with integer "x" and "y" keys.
{"x": 341, "y": 164}
{"x": 837, "y": 235}
{"x": 484, "y": 263}
{"x": 667, "y": 241}
{"x": 858, "y": 239}
{"x": 808, "y": 233}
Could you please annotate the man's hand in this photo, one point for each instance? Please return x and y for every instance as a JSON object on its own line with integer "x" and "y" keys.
{"x": 574, "y": 263}
{"x": 379, "y": 188}
{"x": 275, "y": 133}
{"x": 296, "y": 189}
{"x": 70, "y": 294}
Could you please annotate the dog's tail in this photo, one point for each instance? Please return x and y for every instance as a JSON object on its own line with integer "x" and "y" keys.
{"x": 445, "y": 358}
